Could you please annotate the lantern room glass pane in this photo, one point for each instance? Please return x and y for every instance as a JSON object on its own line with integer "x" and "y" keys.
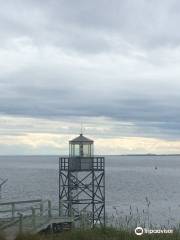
{"x": 86, "y": 150}
{"x": 92, "y": 150}
{"x": 76, "y": 150}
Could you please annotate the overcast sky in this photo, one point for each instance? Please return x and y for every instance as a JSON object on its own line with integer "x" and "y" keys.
{"x": 115, "y": 65}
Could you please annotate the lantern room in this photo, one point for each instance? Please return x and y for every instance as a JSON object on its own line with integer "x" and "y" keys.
{"x": 81, "y": 147}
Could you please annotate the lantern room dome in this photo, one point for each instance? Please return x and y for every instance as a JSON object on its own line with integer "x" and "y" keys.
{"x": 81, "y": 139}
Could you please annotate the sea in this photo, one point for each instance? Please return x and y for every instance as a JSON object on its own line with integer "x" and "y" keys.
{"x": 143, "y": 187}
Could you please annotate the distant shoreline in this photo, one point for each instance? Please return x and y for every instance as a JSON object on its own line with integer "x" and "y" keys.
{"x": 144, "y": 155}
{"x": 66, "y": 155}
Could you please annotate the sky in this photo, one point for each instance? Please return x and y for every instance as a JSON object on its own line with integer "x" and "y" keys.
{"x": 113, "y": 65}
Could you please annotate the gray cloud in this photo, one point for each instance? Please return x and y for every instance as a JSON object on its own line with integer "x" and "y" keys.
{"x": 83, "y": 25}
{"x": 90, "y": 59}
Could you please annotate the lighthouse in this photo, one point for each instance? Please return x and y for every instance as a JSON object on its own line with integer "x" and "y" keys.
{"x": 82, "y": 183}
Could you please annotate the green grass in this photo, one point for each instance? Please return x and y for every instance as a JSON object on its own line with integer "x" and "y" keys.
{"x": 100, "y": 234}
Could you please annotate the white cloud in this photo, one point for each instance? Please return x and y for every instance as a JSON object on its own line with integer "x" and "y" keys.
{"x": 41, "y": 136}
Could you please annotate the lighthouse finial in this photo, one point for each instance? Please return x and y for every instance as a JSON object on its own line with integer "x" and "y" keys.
{"x": 81, "y": 128}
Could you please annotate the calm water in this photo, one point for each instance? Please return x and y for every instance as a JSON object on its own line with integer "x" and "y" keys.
{"x": 129, "y": 181}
